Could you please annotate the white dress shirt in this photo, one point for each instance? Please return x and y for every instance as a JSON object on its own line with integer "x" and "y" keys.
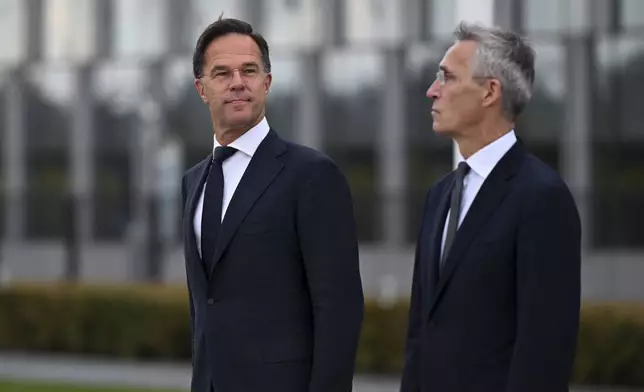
{"x": 233, "y": 169}
{"x": 481, "y": 164}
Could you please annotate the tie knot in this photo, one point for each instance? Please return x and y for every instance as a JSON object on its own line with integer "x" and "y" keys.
{"x": 224, "y": 152}
{"x": 462, "y": 169}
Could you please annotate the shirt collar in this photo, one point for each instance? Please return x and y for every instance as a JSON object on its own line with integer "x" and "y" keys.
{"x": 250, "y": 140}
{"x": 484, "y": 160}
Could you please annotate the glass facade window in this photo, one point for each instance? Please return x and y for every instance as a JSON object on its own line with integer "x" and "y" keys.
{"x": 353, "y": 84}
{"x": 180, "y": 76}
{"x": 351, "y": 125}
{"x": 48, "y": 94}
{"x": 632, "y": 14}
{"x": 441, "y": 16}
{"x": 3, "y": 137}
{"x": 282, "y": 98}
{"x": 188, "y": 117}
{"x": 285, "y": 17}
{"x": 142, "y": 28}
{"x": 374, "y": 21}
{"x": 618, "y": 145}
{"x": 556, "y": 16}
{"x": 70, "y": 33}
{"x": 542, "y": 124}
{"x": 541, "y": 15}
{"x": 13, "y": 15}
{"x": 119, "y": 90}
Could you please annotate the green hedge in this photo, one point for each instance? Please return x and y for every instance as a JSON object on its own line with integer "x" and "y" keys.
{"x": 153, "y": 323}
{"x": 110, "y": 321}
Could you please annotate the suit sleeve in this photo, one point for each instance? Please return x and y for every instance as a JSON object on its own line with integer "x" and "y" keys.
{"x": 548, "y": 293}
{"x": 329, "y": 246}
{"x": 192, "y": 306}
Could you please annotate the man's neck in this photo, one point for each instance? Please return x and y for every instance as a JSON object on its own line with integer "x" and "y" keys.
{"x": 230, "y": 135}
{"x": 481, "y": 137}
{"x": 225, "y": 136}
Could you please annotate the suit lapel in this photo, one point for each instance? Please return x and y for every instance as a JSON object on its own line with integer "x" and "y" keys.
{"x": 260, "y": 173}
{"x": 190, "y": 240}
{"x": 487, "y": 200}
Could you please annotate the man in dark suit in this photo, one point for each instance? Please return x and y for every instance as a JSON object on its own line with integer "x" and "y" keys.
{"x": 271, "y": 252}
{"x": 495, "y": 297}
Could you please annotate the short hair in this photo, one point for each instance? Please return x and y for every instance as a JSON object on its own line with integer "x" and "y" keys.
{"x": 220, "y": 28}
{"x": 506, "y": 56}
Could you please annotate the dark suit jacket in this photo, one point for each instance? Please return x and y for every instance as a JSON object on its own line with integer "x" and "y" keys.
{"x": 504, "y": 314}
{"x": 282, "y": 308}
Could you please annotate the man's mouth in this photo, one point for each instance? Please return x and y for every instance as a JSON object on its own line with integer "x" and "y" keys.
{"x": 237, "y": 100}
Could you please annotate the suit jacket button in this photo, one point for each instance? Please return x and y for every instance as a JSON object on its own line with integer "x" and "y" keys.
{"x": 211, "y": 301}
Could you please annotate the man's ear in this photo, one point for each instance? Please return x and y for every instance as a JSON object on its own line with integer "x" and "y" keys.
{"x": 267, "y": 82}
{"x": 200, "y": 89}
{"x": 492, "y": 93}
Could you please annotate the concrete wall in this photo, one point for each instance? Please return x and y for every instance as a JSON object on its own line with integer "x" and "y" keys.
{"x": 386, "y": 272}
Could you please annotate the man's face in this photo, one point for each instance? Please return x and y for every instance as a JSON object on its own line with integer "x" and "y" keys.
{"x": 457, "y": 96}
{"x": 234, "y": 84}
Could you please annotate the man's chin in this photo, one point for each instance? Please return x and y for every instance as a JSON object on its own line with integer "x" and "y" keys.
{"x": 438, "y": 128}
{"x": 442, "y": 131}
{"x": 239, "y": 116}
{"x": 240, "y": 120}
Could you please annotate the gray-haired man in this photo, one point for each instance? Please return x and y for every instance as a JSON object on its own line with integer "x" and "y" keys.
{"x": 496, "y": 287}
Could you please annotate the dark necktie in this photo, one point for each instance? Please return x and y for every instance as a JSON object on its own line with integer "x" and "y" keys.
{"x": 212, "y": 204}
{"x": 454, "y": 208}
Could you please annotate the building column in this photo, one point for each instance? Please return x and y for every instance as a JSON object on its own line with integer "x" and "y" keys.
{"x": 15, "y": 164}
{"x": 104, "y": 26}
{"x": 15, "y": 142}
{"x": 417, "y": 23}
{"x": 509, "y": 14}
{"x": 177, "y": 20}
{"x": 35, "y": 24}
{"x": 149, "y": 254}
{"x": 82, "y": 169}
{"x": 392, "y": 161}
{"x": 309, "y": 119}
{"x": 333, "y": 13}
{"x": 254, "y": 13}
{"x": 576, "y": 148}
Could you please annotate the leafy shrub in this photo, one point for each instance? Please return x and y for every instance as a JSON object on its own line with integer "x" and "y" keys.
{"x": 152, "y": 322}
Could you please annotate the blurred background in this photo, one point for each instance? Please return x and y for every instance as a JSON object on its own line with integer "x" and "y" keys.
{"x": 99, "y": 119}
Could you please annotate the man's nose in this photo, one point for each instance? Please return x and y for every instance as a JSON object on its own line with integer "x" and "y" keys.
{"x": 433, "y": 90}
{"x": 237, "y": 80}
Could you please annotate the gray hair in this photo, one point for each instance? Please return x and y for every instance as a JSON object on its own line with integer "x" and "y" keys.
{"x": 502, "y": 55}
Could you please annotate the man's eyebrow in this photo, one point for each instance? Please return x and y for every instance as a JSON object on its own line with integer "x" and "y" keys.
{"x": 226, "y": 68}
{"x": 218, "y": 68}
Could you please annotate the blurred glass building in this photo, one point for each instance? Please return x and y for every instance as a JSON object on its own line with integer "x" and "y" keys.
{"x": 99, "y": 119}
